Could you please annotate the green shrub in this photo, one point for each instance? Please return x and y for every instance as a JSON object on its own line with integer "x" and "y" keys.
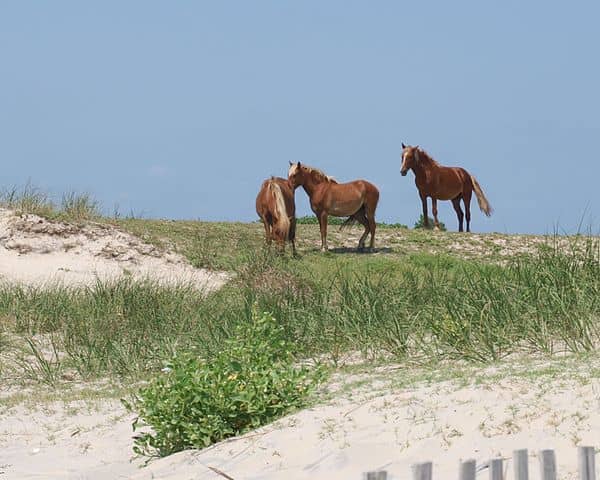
{"x": 331, "y": 220}
{"x": 313, "y": 220}
{"x": 197, "y": 402}
{"x": 420, "y": 223}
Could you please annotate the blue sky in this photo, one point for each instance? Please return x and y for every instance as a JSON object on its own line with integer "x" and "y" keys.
{"x": 180, "y": 109}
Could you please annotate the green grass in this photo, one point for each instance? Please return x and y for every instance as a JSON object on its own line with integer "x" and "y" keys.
{"x": 213, "y": 245}
{"x": 74, "y": 206}
{"x": 422, "y": 297}
{"x": 419, "y": 308}
{"x": 312, "y": 220}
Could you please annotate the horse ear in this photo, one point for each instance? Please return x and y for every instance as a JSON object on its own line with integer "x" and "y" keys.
{"x": 403, "y": 146}
{"x": 291, "y": 163}
{"x": 299, "y": 165}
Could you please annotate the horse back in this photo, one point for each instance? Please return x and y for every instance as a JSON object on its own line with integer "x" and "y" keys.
{"x": 355, "y": 185}
{"x": 341, "y": 196}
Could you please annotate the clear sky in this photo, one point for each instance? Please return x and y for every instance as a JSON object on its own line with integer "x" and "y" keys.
{"x": 180, "y": 109}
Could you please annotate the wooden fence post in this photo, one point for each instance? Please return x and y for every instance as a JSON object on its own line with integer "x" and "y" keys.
{"x": 467, "y": 470}
{"x": 422, "y": 471}
{"x": 587, "y": 463}
{"x": 496, "y": 472}
{"x": 521, "y": 464}
{"x": 547, "y": 465}
{"x": 377, "y": 475}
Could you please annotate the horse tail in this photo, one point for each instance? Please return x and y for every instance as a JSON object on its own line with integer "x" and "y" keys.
{"x": 348, "y": 222}
{"x": 352, "y": 220}
{"x": 282, "y": 221}
{"x": 484, "y": 204}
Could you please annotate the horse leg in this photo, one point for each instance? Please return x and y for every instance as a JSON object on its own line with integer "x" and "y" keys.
{"x": 292, "y": 235}
{"x": 323, "y": 227}
{"x": 370, "y": 213}
{"x": 467, "y": 201}
{"x": 425, "y": 214}
{"x": 361, "y": 217}
{"x": 265, "y": 222}
{"x": 436, "y": 224}
{"x": 459, "y": 212}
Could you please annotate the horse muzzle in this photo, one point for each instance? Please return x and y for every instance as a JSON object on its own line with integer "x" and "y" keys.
{"x": 403, "y": 172}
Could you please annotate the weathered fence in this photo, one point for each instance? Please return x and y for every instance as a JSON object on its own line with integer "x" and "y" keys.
{"x": 468, "y": 469}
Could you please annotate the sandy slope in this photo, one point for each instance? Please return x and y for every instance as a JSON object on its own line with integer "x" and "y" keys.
{"x": 73, "y": 440}
{"x": 382, "y": 421}
{"x": 379, "y": 425}
{"x": 392, "y": 428}
{"x": 35, "y": 251}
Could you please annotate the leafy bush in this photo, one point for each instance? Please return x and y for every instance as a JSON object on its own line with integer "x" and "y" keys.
{"x": 197, "y": 402}
{"x": 420, "y": 223}
{"x": 313, "y": 220}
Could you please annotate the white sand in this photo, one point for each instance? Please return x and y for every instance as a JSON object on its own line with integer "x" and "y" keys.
{"x": 34, "y": 251}
{"x": 394, "y": 428}
{"x": 365, "y": 428}
{"x": 77, "y": 440}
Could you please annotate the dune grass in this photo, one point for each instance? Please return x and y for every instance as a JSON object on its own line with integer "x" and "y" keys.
{"x": 29, "y": 199}
{"x": 418, "y": 308}
{"x": 422, "y": 297}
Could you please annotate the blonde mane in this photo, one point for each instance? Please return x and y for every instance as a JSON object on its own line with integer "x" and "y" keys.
{"x": 319, "y": 173}
{"x": 282, "y": 221}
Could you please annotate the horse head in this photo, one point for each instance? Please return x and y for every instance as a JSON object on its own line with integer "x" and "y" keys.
{"x": 296, "y": 174}
{"x": 410, "y": 157}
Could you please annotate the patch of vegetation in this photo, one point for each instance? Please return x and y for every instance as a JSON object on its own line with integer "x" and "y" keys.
{"x": 420, "y": 223}
{"x": 212, "y": 245}
{"x": 312, "y": 220}
{"x": 197, "y": 401}
{"x": 79, "y": 207}
{"x": 75, "y": 207}
{"x": 28, "y": 199}
{"x": 419, "y": 308}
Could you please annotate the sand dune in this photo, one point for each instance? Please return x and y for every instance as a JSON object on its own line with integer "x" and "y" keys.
{"x": 378, "y": 425}
{"x": 35, "y": 251}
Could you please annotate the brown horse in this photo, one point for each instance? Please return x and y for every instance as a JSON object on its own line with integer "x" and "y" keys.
{"x": 442, "y": 183}
{"x": 357, "y": 199}
{"x": 276, "y": 208}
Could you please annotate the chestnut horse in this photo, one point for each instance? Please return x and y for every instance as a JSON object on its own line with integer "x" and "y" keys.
{"x": 442, "y": 183}
{"x": 276, "y": 208}
{"x": 357, "y": 199}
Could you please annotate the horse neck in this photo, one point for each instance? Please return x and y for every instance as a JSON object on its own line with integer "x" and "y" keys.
{"x": 311, "y": 182}
{"x": 425, "y": 167}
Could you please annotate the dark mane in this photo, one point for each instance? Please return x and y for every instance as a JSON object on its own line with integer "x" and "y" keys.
{"x": 423, "y": 155}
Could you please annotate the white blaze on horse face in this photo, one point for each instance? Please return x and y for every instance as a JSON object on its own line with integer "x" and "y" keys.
{"x": 292, "y": 169}
{"x": 404, "y": 155}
